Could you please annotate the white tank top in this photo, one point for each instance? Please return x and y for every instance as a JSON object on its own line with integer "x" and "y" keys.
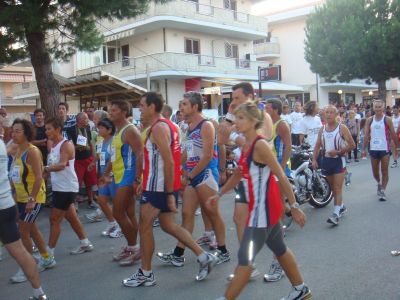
{"x": 6, "y": 199}
{"x": 332, "y": 140}
{"x": 65, "y": 180}
{"x": 396, "y": 122}
{"x": 379, "y": 135}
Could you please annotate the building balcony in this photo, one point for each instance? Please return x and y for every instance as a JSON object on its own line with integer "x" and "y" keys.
{"x": 179, "y": 65}
{"x": 189, "y": 15}
{"x": 265, "y": 51}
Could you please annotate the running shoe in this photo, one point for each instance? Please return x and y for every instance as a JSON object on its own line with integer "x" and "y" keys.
{"x": 130, "y": 258}
{"x": 156, "y": 222}
{"x": 275, "y": 272}
{"x": 35, "y": 249}
{"x": 110, "y": 228}
{"x": 395, "y": 252}
{"x": 254, "y": 274}
{"x": 394, "y": 164}
{"x": 222, "y": 257}
{"x": 46, "y": 263}
{"x": 334, "y": 219}
{"x": 116, "y": 233}
{"x": 303, "y": 294}
{"x": 18, "y": 277}
{"x": 82, "y": 249}
{"x": 170, "y": 258}
{"x": 342, "y": 211}
{"x": 356, "y": 160}
{"x": 92, "y": 205}
{"x": 41, "y": 297}
{"x": 206, "y": 268}
{"x": 94, "y": 217}
{"x": 203, "y": 240}
{"x": 123, "y": 253}
{"x": 378, "y": 191}
{"x": 197, "y": 212}
{"x": 139, "y": 279}
{"x": 382, "y": 196}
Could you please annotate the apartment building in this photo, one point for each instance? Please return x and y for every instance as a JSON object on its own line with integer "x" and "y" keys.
{"x": 180, "y": 46}
{"x": 284, "y": 46}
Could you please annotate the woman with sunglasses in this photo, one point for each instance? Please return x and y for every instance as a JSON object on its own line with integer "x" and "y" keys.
{"x": 258, "y": 167}
{"x": 30, "y": 192}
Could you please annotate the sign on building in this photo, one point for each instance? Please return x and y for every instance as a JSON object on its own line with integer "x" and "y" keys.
{"x": 270, "y": 74}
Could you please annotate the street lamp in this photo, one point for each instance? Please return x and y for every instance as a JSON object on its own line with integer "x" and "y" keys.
{"x": 340, "y": 92}
{"x": 370, "y": 93}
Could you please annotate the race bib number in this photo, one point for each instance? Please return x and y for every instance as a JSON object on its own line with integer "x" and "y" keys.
{"x": 51, "y": 159}
{"x": 377, "y": 142}
{"x": 102, "y": 158}
{"x": 113, "y": 154}
{"x": 81, "y": 140}
{"x": 15, "y": 174}
{"x": 98, "y": 148}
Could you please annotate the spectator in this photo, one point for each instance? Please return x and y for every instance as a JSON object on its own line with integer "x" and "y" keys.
{"x": 69, "y": 121}
{"x": 40, "y": 140}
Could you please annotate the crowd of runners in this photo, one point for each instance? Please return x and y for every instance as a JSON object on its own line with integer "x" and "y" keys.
{"x": 159, "y": 163}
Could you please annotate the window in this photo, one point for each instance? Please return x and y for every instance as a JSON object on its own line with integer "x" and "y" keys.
{"x": 112, "y": 54}
{"x": 231, "y": 50}
{"x": 125, "y": 55}
{"x": 192, "y": 46}
{"x": 334, "y": 98}
{"x": 349, "y": 98}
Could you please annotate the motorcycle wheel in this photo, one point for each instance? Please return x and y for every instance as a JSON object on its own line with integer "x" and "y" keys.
{"x": 321, "y": 195}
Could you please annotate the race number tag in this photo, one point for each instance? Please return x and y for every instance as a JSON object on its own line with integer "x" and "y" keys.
{"x": 377, "y": 142}
{"x": 81, "y": 140}
{"x": 102, "y": 158}
{"x": 113, "y": 154}
{"x": 15, "y": 174}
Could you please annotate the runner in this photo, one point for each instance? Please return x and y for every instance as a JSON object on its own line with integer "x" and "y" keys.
{"x": 30, "y": 193}
{"x": 65, "y": 185}
{"x": 258, "y": 166}
{"x": 68, "y": 121}
{"x": 378, "y": 132}
{"x": 201, "y": 175}
{"x": 126, "y": 166}
{"x": 241, "y": 93}
{"x": 335, "y": 140}
{"x": 396, "y": 127}
{"x": 9, "y": 235}
{"x": 106, "y": 131}
{"x": 281, "y": 148}
{"x": 161, "y": 183}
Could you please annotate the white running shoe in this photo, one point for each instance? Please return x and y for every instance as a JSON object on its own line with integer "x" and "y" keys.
{"x": 18, "y": 277}
{"x": 82, "y": 249}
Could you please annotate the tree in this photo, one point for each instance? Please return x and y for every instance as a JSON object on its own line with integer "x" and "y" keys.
{"x": 27, "y": 25}
{"x": 349, "y": 39}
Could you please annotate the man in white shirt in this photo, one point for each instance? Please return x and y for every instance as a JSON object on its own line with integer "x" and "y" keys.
{"x": 310, "y": 124}
{"x": 296, "y": 116}
{"x": 286, "y": 114}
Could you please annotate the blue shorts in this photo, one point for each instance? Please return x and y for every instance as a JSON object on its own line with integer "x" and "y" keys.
{"x": 127, "y": 180}
{"x": 331, "y": 166}
{"x": 158, "y": 200}
{"x": 30, "y": 217}
{"x": 106, "y": 190}
{"x": 378, "y": 154}
{"x": 208, "y": 176}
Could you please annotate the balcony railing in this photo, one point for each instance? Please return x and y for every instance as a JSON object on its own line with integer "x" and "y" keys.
{"x": 192, "y": 10}
{"x": 267, "y": 50}
{"x": 177, "y": 62}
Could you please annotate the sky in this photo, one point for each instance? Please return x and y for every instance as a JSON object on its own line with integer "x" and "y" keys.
{"x": 268, "y": 7}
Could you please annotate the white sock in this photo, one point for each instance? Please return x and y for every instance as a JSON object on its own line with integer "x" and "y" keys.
{"x": 38, "y": 292}
{"x": 336, "y": 209}
{"x": 299, "y": 287}
{"x": 209, "y": 234}
{"x": 202, "y": 258}
{"x": 98, "y": 211}
{"x": 132, "y": 248}
{"x": 50, "y": 250}
{"x": 85, "y": 242}
{"x": 146, "y": 273}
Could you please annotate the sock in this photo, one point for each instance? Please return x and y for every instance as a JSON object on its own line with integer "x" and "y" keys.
{"x": 146, "y": 273}
{"x": 178, "y": 251}
{"x": 98, "y": 211}
{"x": 38, "y": 292}
{"x": 133, "y": 248}
{"x": 299, "y": 287}
{"x": 51, "y": 250}
{"x": 45, "y": 255}
{"x": 202, "y": 258}
{"x": 209, "y": 234}
{"x": 85, "y": 242}
{"x": 222, "y": 249}
{"x": 341, "y": 206}
{"x": 336, "y": 209}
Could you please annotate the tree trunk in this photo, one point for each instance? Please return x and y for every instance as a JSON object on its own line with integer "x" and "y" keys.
{"x": 382, "y": 90}
{"x": 48, "y": 86}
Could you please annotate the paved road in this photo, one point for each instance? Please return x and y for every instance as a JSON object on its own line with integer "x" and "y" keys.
{"x": 351, "y": 261}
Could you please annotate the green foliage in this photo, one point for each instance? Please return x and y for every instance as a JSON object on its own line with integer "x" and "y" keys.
{"x": 349, "y": 39}
{"x": 69, "y": 25}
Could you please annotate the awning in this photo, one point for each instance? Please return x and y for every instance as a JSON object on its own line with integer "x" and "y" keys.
{"x": 273, "y": 87}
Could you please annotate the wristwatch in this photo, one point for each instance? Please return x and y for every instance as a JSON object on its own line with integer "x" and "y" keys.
{"x": 295, "y": 205}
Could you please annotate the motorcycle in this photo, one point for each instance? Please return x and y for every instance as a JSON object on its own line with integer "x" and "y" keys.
{"x": 308, "y": 185}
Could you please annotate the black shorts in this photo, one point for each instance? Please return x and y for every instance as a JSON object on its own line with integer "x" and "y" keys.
{"x": 158, "y": 200}
{"x": 8, "y": 225}
{"x": 63, "y": 200}
{"x": 28, "y": 217}
{"x": 240, "y": 193}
